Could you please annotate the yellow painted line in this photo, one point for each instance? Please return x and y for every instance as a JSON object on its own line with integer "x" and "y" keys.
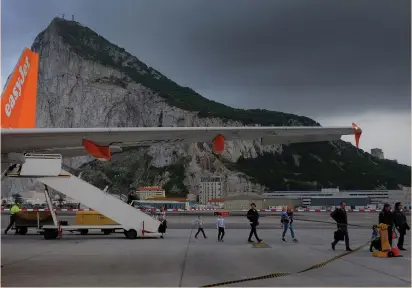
{"x": 282, "y": 274}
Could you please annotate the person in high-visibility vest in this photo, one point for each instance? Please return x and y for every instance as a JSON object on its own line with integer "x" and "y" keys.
{"x": 14, "y": 209}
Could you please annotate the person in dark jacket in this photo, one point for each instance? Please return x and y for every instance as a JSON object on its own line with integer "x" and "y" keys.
{"x": 386, "y": 217}
{"x": 130, "y": 197}
{"x": 341, "y": 218}
{"x": 400, "y": 223}
{"x": 253, "y": 217}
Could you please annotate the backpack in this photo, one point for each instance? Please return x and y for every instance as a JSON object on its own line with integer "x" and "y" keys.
{"x": 251, "y": 216}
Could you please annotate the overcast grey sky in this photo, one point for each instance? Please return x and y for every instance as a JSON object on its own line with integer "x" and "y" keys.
{"x": 337, "y": 61}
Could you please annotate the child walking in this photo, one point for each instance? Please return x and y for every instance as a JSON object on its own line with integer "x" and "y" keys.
{"x": 375, "y": 240}
{"x": 199, "y": 224}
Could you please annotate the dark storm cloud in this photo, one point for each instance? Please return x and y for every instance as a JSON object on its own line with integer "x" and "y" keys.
{"x": 308, "y": 57}
{"x": 325, "y": 55}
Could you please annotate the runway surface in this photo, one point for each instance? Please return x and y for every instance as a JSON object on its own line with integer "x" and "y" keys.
{"x": 304, "y": 221}
{"x": 182, "y": 260}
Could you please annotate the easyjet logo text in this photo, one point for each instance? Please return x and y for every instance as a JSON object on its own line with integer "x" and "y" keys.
{"x": 18, "y": 87}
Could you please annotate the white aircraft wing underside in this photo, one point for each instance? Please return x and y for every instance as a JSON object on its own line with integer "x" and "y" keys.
{"x": 68, "y": 141}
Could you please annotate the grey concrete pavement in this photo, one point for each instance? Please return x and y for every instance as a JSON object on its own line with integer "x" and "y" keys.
{"x": 318, "y": 220}
{"x": 239, "y": 222}
{"x": 181, "y": 260}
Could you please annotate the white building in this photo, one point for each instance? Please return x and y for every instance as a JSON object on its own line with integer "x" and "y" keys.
{"x": 217, "y": 202}
{"x": 210, "y": 188}
{"x": 403, "y": 196}
{"x": 377, "y": 197}
{"x": 150, "y": 192}
{"x": 191, "y": 197}
{"x": 378, "y": 153}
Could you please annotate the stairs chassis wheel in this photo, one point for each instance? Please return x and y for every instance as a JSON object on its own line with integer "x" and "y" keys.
{"x": 50, "y": 234}
{"x": 131, "y": 234}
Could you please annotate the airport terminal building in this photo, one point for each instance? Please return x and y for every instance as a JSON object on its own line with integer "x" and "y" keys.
{"x": 333, "y": 196}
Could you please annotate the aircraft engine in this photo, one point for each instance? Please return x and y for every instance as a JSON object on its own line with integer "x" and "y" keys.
{"x": 219, "y": 144}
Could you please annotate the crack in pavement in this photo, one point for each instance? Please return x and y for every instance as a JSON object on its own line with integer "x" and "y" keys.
{"x": 185, "y": 258}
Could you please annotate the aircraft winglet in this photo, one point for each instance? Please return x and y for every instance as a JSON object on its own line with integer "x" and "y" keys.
{"x": 358, "y": 133}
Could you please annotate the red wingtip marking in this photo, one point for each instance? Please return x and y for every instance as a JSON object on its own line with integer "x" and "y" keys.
{"x": 358, "y": 133}
{"x": 99, "y": 152}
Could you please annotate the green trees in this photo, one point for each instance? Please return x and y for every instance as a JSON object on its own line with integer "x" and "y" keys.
{"x": 321, "y": 165}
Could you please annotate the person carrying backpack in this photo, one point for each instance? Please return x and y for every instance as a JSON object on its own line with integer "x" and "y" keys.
{"x": 253, "y": 217}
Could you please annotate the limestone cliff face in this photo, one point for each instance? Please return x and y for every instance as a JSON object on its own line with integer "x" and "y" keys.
{"x": 75, "y": 92}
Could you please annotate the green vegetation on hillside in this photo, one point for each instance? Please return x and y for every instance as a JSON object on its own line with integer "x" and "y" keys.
{"x": 131, "y": 170}
{"x": 313, "y": 166}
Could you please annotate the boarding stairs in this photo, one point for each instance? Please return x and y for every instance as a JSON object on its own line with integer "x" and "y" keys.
{"x": 46, "y": 168}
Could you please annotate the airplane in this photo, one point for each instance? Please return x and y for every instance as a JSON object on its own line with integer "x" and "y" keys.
{"x": 38, "y": 153}
{"x": 20, "y": 137}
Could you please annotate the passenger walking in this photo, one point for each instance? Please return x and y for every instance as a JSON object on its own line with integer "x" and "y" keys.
{"x": 220, "y": 224}
{"x": 400, "y": 223}
{"x": 341, "y": 218}
{"x": 163, "y": 222}
{"x": 287, "y": 221}
{"x": 386, "y": 217}
{"x": 253, "y": 217}
{"x": 14, "y": 209}
{"x": 199, "y": 224}
{"x": 163, "y": 213}
{"x": 130, "y": 197}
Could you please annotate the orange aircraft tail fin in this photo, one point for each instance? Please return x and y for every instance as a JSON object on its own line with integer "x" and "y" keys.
{"x": 18, "y": 100}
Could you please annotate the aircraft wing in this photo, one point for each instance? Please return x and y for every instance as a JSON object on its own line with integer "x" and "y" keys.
{"x": 71, "y": 142}
{"x": 18, "y": 135}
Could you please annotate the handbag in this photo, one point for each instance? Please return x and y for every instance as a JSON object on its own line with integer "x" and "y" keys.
{"x": 339, "y": 235}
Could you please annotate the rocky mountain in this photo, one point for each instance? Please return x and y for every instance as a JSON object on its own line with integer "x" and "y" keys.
{"x": 86, "y": 81}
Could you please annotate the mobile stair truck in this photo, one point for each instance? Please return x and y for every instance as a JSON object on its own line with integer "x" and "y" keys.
{"x": 47, "y": 169}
